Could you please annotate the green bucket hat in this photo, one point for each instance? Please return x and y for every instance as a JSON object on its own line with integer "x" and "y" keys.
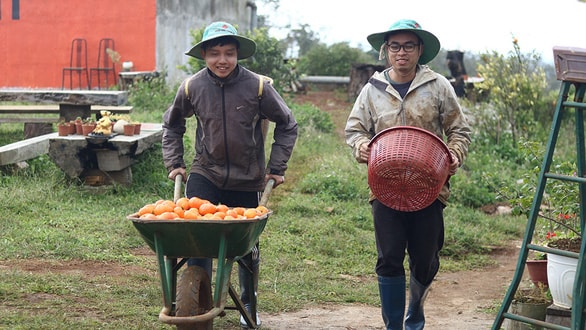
{"x": 222, "y": 29}
{"x": 431, "y": 42}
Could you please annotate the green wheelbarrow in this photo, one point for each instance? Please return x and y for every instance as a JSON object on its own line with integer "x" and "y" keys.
{"x": 188, "y": 303}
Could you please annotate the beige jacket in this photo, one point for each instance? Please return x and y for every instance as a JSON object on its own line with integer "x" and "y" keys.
{"x": 430, "y": 103}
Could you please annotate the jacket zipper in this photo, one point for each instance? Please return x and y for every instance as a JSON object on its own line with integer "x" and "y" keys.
{"x": 227, "y": 154}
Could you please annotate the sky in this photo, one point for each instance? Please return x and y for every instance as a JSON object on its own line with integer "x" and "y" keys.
{"x": 470, "y": 26}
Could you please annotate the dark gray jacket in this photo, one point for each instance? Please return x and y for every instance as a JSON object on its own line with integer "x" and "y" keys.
{"x": 229, "y": 140}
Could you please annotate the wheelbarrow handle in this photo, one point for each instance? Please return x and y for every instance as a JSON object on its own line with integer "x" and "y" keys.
{"x": 264, "y": 199}
{"x": 177, "y": 191}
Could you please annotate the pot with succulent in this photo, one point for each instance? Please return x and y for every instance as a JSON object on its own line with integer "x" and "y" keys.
{"x": 63, "y": 128}
{"x": 88, "y": 126}
{"x": 78, "y": 122}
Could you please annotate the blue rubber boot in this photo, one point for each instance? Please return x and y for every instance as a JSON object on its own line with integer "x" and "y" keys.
{"x": 415, "y": 319}
{"x": 392, "y": 299}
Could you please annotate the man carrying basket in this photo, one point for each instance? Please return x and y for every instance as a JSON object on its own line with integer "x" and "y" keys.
{"x": 407, "y": 93}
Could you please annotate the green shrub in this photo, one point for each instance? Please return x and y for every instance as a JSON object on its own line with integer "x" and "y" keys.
{"x": 310, "y": 117}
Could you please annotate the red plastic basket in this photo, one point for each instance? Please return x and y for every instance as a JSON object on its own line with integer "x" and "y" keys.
{"x": 407, "y": 167}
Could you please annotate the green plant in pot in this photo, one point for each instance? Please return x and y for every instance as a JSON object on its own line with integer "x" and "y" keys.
{"x": 559, "y": 224}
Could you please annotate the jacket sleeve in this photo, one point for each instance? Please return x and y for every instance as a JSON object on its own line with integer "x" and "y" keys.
{"x": 174, "y": 129}
{"x": 359, "y": 127}
{"x": 455, "y": 124}
{"x": 274, "y": 108}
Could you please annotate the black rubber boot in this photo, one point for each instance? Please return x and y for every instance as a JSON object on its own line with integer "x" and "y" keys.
{"x": 392, "y": 299}
{"x": 415, "y": 319}
{"x": 248, "y": 278}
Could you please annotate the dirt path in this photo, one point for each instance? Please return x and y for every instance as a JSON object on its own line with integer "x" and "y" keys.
{"x": 457, "y": 301}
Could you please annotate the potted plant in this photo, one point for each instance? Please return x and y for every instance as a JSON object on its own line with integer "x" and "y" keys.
{"x": 558, "y": 225}
{"x": 137, "y": 127}
{"x": 88, "y": 126}
{"x": 532, "y": 302}
{"x": 78, "y": 122}
{"x": 537, "y": 268}
{"x": 63, "y": 128}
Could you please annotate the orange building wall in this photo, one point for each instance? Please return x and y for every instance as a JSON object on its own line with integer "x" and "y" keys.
{"x": 35, "y": 48}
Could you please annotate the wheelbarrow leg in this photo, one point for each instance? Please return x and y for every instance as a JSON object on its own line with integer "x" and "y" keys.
{"x": 244, "y": 314}
{"x": 166, "y": 271}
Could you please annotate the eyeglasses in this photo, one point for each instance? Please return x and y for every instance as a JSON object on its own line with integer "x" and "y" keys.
{"x": 408, "y": 47}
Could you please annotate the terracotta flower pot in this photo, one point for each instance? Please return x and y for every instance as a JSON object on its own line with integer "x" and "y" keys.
{"x": 63, "y": 129}
{"x": 86, "y": 129}
{"x": 537, "y": 271}
{"x": 78, "y": 129}
{"x": 129, "y": 130}
{"x": 71, "y": 127}
{"x": 137, "y": 129}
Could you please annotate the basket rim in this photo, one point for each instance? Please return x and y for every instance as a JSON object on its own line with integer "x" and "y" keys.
{"x": 413, "y": 128}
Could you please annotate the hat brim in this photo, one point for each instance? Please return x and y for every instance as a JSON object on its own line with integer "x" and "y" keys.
{"x": 247, "y": 47}
{"x": 431, "y": 44}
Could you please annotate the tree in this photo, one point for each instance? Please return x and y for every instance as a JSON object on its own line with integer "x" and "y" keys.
{"x": 268, "y": 59}
{"x": 516, "y": 87}
{"x": 334, "y": 60}
{"x": 301, "y": 40}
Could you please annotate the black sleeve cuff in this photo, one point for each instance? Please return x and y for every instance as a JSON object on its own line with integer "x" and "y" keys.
{"x": 275, "y": 172}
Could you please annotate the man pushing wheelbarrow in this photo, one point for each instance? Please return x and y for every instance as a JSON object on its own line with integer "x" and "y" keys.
{"x": 231, "y": 105}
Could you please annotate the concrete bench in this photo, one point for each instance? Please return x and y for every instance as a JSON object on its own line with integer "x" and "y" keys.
{"x": 25, "y": 112}
{"x": 97, "y": 161}
{"x": 24, "y": 150}
{"x": 71, "y": 104}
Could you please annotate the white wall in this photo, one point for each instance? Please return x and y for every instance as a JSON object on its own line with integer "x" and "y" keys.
{"x": 175, "y": 19}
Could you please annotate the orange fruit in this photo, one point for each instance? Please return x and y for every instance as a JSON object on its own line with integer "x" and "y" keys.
{"x": 262, "y": 209}
{"x": 220, "y": 215}
{"x": 250, "y": 213}
{"x": 149, "y": 208}
{"x": 163, "y": 207}
{"x": 149, "y": 216}
{"x": 183, "y": 202}
{"x": 222, "y": 208}
{"x": 191, "y": 214}
{"x": 207, "y": 208}
{"x": 168, "y": 216}
{"x": 239, "y": 210}
{"x": 195, "y": 202}
{"x": 179, "y": 211}
{"x": 232, "y": 213}
{"x": 209, "y": 216}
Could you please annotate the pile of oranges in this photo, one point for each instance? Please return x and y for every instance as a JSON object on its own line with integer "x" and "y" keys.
{"x": 196, "y": 208}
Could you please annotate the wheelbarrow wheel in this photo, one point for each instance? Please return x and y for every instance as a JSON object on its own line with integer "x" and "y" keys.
{"x": 194, "y": 297}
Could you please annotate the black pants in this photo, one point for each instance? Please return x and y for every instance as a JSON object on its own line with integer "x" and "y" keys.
{"x": 199, "y": 186}
{"x": 420, "y": 233}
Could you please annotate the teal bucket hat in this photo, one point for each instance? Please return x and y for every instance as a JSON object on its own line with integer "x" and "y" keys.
{"x": 222, "y": 29}
{"x": 431, "y": 42}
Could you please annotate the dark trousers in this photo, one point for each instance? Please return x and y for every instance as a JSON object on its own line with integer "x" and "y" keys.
{"x": 200, "y": 186}
{"x": 420, "y": 234}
